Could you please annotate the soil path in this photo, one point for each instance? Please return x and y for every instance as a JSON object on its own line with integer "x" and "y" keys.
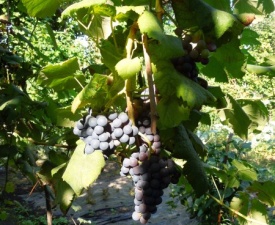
{"x": 110, "y": 201}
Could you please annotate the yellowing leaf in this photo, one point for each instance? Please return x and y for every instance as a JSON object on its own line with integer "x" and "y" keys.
{"x": 127, "y": 68}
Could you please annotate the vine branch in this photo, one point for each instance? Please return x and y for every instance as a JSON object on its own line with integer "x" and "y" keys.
{"x": 149, "y": 73}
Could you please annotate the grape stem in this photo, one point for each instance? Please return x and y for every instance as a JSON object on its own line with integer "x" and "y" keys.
{"x": 153, "y": 106}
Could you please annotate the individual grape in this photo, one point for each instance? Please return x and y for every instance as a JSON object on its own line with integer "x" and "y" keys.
{"x": 155, "y": 183}
{"x": 137, "y": 202}
{"x": 117, "y": 123}
{"x": 146, "y": 215}
{"x": 136, "y": 216}
{"x": 124, "y": 170}
{"x": 131, "y": 140}
{"x": 104, "y": 137}
{"x": 92, "y": 122}
{"x": 79, "y": 125}
{"x": 127, "y": 129}
{"x": 88, "y": 149}
{"x": 118, "y": 132}
{"x": 102, "y": 121}
{"x": 135, "y": 178}
{"x": 89, "y": 131}
{"x": 143, "y": 156}
{"x": 98, "y": 130}
{"x": 148, "y": 130}
{"x": 146, "y": 176}
{"x": 95, "y": 143}
{"x": 111, "y": 145}
{"x": 76, "y": 131}
{"x": 142, "y": 208}
{"x": 138, "y": 194}
{"x": 112, "y": 116}
{"x": 137, "y": 208}
{"x": 123, "y": 117}
{"x": 124, "y": 138}
{"x": 201, "y": 45}
{"x": 84, "y": 133}
{"x": 142, "y": 148}
{"x": 142, "y": 184}
{"x": 135, "y": 130}
{"x": 133, "y": 162}
{"x": 158, "y": 200}
{"x": 103, "y": 146}
{"x": 126, "y": 162}
{"x": 205, "y": 54}
{"x": 146, "y": 122}
{"x": 94, "y": 135}
{"x": 142, "y": 129}
{"x": 135, "y": 155}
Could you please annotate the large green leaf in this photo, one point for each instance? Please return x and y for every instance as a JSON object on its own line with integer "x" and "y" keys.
{"x": 61, "y": 76}
{"x": 95, "y": 93}
{"x": 264, "y": 191}
{"x": 110, "y": 54}
{"x": 257, "y": 113}
{"x": 234, "y": 114}
{"x": 253, "y": 6}
{"x": 227, "y": 62}
{"x": 179, "y": 92}
{"x": 193, "y": 168}
{"x": 171, "y": 112}
{"x": 86, "y": 5}
{"x": 128, "y": 12}
{"x": 196, "y": 14}
{"x": 41, "y": 8}
{"x": 83, "y": 169}
{"x": 245, "y": 172}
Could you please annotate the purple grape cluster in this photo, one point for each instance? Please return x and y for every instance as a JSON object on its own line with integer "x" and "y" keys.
{"x": 105, "y": 133}
{"x": 150, "y": 173}
{"x": 198, "y": 52}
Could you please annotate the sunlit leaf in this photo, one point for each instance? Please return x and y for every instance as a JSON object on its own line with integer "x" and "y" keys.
{"x": 245, "y": 172}
{"x": 127, "y": 68}
{"x": 83, "y": 169}
{"x": 41, "y": 8}
{"x": 252, "y": 6}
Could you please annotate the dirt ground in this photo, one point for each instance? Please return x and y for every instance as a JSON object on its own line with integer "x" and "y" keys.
{"x": 108, "y": 201}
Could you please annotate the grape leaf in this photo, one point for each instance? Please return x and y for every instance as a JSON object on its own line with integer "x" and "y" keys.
{"x": 82, "y": 170}
{"x": 198, "y": 15}
{"x": 127, "y": 68}
{"x": 233, "y": 114}
{"x": 245, "y": 172}
{"x": 241, "y": 205}
{"x": 170, "y": 47}
{"x": 110, "y": 54}
{"x": 221, "y": 4}
{"x": 261, "y": 70}
{"x": 171, "y": 113}
{"x": 129, "y": 12}
{"x": 94, "y": 93}
{"x": 41, "y": 8}
{"x": 61, "y": 76}
{"x": 227, "y": 62}
{"x": 264, "y": 191}
{"x": 85, "y": 5}
{"x": 149, "y": 24}
{"x": 257, "y": 113}
{"x": 251, "y": 6}
{"x": 170, "y": 83}
{"x": 193, "y": 168}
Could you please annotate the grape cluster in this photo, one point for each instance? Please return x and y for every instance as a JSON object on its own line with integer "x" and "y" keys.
{"x": 105, "y": 133}
{"x": 198, "y": 52}
{"x": 150, "y": 173}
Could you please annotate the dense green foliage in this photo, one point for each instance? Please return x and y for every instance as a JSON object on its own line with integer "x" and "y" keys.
{"x": 61, "y": 57}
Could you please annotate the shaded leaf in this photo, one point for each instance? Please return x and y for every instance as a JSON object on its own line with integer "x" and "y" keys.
{"x": 83, "y": 169}
{"x": 257, "y": 113}
{"x": 193, "y": 168}
{"x": 227, "y": 62}
{"x": 233, "y": 114}
{"x": 252, "y": 6}
{"x": 264, "y": 191}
